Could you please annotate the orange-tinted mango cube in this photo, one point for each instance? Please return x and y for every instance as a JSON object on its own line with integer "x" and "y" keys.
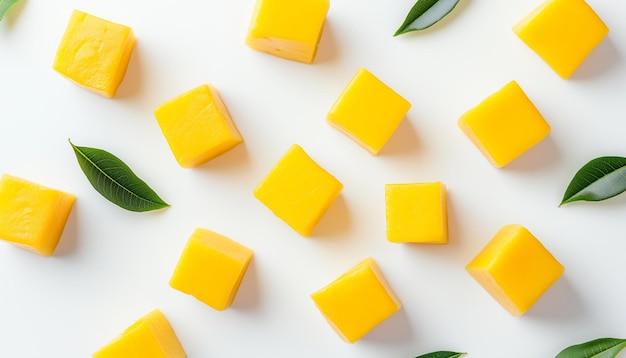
{"x": 288, "y": 29}
{"x": 94, "y": 53}
{"x": 417, "y": 213}
{"x": 197, "y": 126}
{"x": 211, "y": 268}
{"x": 563, "y": 33}
{"x": 32, "y": 216}
{"x": 368, "y": 111}
{"x": 357, "y": 301}
{"x": 298, "y": 190}
{"x": 515, "y": 268}
{"x": 151, "y": 336}
{"x": 505, "y": 125}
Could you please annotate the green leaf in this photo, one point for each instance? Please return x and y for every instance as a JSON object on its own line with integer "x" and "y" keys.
{"x": 5, "y": 5}
{"x": 598, "y": 348}
{"x": 116, "y": 181}
{"x": 600, "y": 179}
{"x": 441, "y": 354}
{"x": 426, "y": 13}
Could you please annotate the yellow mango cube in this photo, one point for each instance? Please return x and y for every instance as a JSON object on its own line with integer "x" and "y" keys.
{"x": 368, "y": 111}
{"x": 151, "y": 336}
{"x": 298, "y": 190}
{"x": 417, "y": 213}
{"x": 562, "y": 33}
{"x": 94, "y": 53}
{"x": 197, "y": 126}
{"x": 357, "y": 301}
{"x": 288, "y": 29}
{"x": 211, "y": 268}
{"x": 515, "y": 268}
{"x": 32, "y": 216}
{"x": 505, "y": 125}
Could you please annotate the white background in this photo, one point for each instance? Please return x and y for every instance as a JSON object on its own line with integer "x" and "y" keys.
{"x": 113, "y": 266}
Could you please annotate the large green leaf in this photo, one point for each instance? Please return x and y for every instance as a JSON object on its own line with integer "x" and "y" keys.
{"x": 441, "y": 354}
{"x": 116, "y": 181}
{"x": 600, "y": 179}
{"x": 5, "y": 5}
{"x": 426, "y": 13}
{"x": 598, "y": 348}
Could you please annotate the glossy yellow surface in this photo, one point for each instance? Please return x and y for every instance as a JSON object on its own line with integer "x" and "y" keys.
{"x": 505, "y": 125}
{"x": 287, "y": 28}
{"x": 211, "y": 268}
{"x": 563, "y": 33}
{"x": 515, "y": 268}
{"x": 32, "y": 216}
{"x": 151, "y": 336}
{"x": 197, "y": 126}
{"x": 368, "y": 111}
{"x": 417, "y": 213}
{"x": 357, "y": 301}
{"x": 94, "y": 53}
{"x": 298, "y": 190}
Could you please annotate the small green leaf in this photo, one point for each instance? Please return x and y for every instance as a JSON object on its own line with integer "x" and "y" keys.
{"x": 600, "y": 179}
{"x": 598, "y": 348}
{"x": 116, "y": 181}
{"x": 5, "y": 5}
{"x": 426, "y": 13}
{"x": 441, "y": 354}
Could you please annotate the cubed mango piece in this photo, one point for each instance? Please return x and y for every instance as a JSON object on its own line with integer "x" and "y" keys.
{"x": 288, "y": 29}
{"x": 298, "y": 190}
{"x": 32, "y": 216}
{"x": 368, "y": 111}
{"x": 417, "y": 213}
{"x": 94, "y": 53}
{"x": 151, "y": 336}
{"x": 515, "y": 268}
{"x": 197, "y": 126}
{"x": 563, "y": 33}
{"x": 505, "y": 125}
{"x": 357, "y": 301}
{"x": 211, "y": 268}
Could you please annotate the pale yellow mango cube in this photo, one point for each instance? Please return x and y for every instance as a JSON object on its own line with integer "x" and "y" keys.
{"x": 211, "y": 268}
{"x": 515, "y": 268}
{"x": 32, "y": 216}
{"x": 368, "y": 111}
{"x": 417, "y": 213}
{"x": 197, "y": 126}
{"x": 505, "y": 125}
{"x": 287, "y": 28}
{"x": 562, "y": 33}
{"x": 357, "y": 301}
{"x": 94, "y": 53}
{"x": 151, "y": 336}
{"x": 298, "y": 190}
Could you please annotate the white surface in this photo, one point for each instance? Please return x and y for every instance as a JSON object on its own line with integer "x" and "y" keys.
{"x": 113, "y": 266}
